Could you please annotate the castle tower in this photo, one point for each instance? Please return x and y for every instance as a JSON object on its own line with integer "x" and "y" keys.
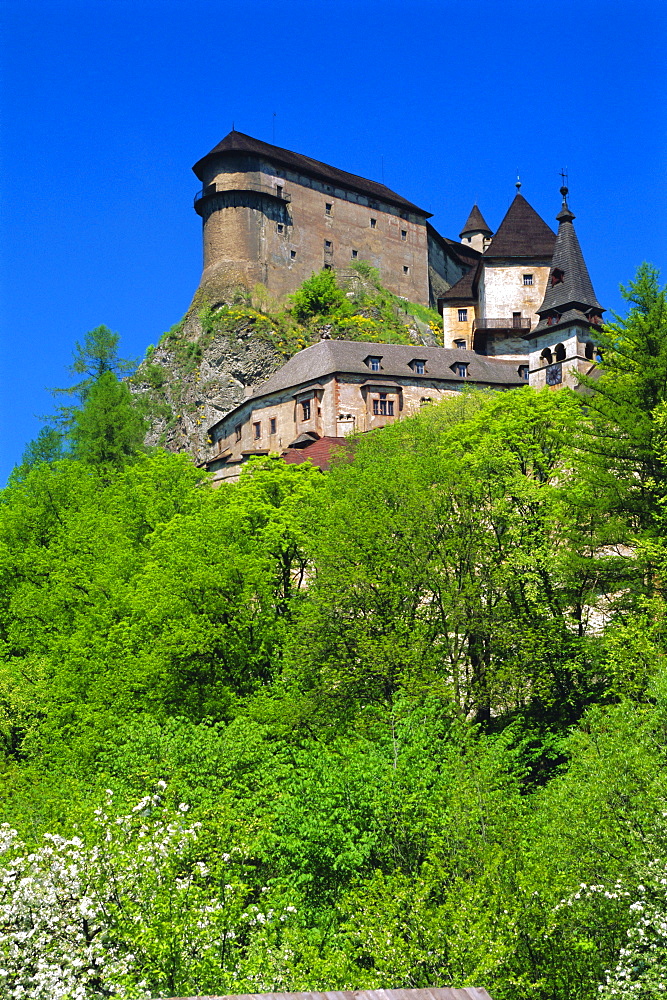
{"x": 564, "y": 341}
{"x": 476, "y": 233}
{"x": 273, "y": 216}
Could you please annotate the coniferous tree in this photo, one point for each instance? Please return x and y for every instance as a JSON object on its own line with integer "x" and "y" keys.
{"x": 108, "y": 430}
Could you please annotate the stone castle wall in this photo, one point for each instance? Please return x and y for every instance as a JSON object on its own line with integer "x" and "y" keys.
{"x": 265, "y": 224}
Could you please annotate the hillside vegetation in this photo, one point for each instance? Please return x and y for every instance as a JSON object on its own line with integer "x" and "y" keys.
{"x": 204, "y": 365}
{"x": 402, "y": 724}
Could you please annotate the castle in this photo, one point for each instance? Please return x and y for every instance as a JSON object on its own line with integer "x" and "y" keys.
{"x": 518, "y": 305}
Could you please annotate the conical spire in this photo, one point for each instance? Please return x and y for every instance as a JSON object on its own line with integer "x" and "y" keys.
{"x": 476, "y": 224}
{"x": 569, "y": 296}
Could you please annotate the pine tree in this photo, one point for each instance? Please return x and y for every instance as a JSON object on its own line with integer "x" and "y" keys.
{"x": 108, "y": 430}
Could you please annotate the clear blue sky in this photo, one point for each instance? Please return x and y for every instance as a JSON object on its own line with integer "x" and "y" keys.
{"x": 106, "y": 104}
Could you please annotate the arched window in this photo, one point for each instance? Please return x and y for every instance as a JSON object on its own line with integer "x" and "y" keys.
{"x": 546, "y": 356}
{"x": 589, "y": 349}
{"x": 560, "y": 352}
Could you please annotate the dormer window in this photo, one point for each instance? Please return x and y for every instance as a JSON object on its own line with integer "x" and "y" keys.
{"x": 373, "y": 363}
{"x": 557, "y": 276}
{"x": 418, "y": 367}
{"x": 460, "y": 368}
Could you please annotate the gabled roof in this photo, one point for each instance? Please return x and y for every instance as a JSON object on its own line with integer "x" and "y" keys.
{"x": 572, "y": 296}
{"x": 348, "y": 357}
{"x": 238, "y": 142}
{"x": 476, "y": 223}
{"x": 465, "y": 287}
{"x": 522, "y": 233}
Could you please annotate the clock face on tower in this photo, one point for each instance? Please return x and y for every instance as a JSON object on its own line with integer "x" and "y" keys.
{"x": 554, "y": 374}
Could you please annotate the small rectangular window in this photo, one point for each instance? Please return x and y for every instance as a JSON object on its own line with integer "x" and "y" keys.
{"x": 383, "y": 407}
{"x": 355, "y": 254}
{"x": 257, "y": 431}
{"x": 461, "y": 344}
{"x": 463, "y": 315}
{"x": 461, "y": 370}
{"x": 292, "y": 254}
{"x": 280, "y": 228}
{"x": 305, "y": 410}
{"x": 404, "y": 234}
{"x": 374, "y": 364}
{"x": 327, "y": 267}
{"x": 327, "y": 207}
{"x": 237, "y": 432}
{"x": 327, "y": 244}
{"x": 374, "y": 223}
{"x": 406, "y": 269}
{"x": 523, "y": 371}
{"x": 272, "y": 425}
{"x": 279, "y": 190}
{"x": 419, "y": 367}
{"x": 527, "y": 279}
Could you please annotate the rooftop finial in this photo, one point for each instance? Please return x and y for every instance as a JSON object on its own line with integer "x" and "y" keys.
{"x": 564, "y": 188}
{"x": 518, "y": 182}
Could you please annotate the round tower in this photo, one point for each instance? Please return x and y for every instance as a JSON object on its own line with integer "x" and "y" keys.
{"x": 476, "y": 233}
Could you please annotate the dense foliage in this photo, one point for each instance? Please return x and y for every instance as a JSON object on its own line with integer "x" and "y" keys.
{"x": 402, "y": 724}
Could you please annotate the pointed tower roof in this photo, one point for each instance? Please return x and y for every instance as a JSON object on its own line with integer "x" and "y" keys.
{"x": 239, "y": 142}
{"x": 569, "y": 296}
{"x": 476, "y": 223}
{"x": 522, "y": 233}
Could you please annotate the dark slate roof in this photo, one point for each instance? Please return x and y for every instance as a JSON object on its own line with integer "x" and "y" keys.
{"x": 476, "y": 223}
{"x": 466, "y": 255}
{"x": 348, "y": 357}
{"x": 465, "y": 287}
{"x": 238, "y": 142}
{"x": 522, "y": 233}
{"x": 467, "y": 993}
{"x": 572, "y": 297}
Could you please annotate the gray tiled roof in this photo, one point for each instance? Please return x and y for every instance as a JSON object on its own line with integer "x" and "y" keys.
{"x": 238, "y": 142}
{"x": 348, "y": 357}
{"x": 572, "y": 296}
{"x": 522, "y": 233}
{"x": 476, "y": 223}
{"x": 467, "y": 993}
{"x": 465, "y": 287}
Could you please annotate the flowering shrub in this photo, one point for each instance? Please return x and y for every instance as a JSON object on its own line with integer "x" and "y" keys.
{"x": 134, "y": 913}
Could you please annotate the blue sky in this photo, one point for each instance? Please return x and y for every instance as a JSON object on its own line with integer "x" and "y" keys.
{"x": 106, "y": 105}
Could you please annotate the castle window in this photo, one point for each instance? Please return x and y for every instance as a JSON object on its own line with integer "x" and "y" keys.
{"x": 383, "y": 407}
{"x": 461, "y": 344}
{"x": 374, "y": 223}
{"x": 327, "y": 267}
{"x": 279, "y": 190}
{"x": 327, "y": 244}
{"x": 355, "y": 254}
{"x": 328, "y": 207}
{"x": 404, "y": 234}
{"x": 406, "y": 269}
{"x": 523, "y": 371}
{"x": 560, "y": 352}
{"x": 418, "y": 367}
{"x": 463, "y": 315}
{"x": 546, "y": 356}
{"x": 292, "y": 254}
{"x": 305, "y": 409}
{"x": 280, "y": 228}
{"x": 588, "y": 350}
{"x": 527, "y": 279}
{"x": 237, "y": 432}
{"x": 373, "y": 363}
{"x": 461, "y": 369}
{"x": 272, "y": 425}
{"x": 257, "y": 431}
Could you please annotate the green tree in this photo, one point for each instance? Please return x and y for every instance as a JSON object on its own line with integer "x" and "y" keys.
{"x": 319, "y": 295}
{"x": 47, "y": 447}
{"x": 108, "y": 429}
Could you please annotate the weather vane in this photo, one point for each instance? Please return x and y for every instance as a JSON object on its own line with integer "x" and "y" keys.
{"x": 564, "y": 178}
